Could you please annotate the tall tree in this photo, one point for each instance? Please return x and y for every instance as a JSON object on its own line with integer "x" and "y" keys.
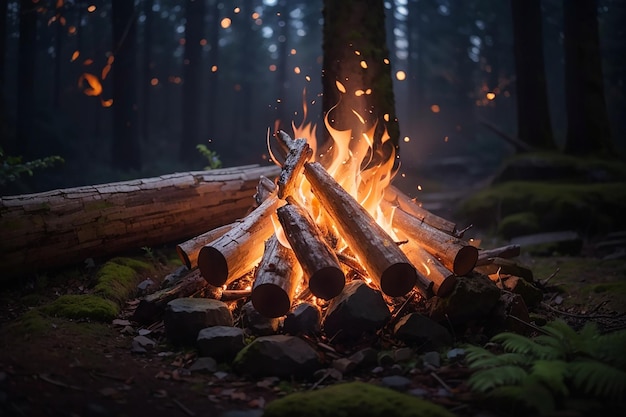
{"x": 533, "y": 116}
{"x": 214, "y": 56}
{"x": 587, "y": 117}
{"x": 146, "y": 75}
{"x": 192, "y": 80}
{"x": 125, "y": 150}
{"x": 26, "y": 75}
{"x": 3, "y": 39}
{"x": 356, "y": 55}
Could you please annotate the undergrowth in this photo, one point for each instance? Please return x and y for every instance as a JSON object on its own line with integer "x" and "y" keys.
{"x": 561, "y": 369}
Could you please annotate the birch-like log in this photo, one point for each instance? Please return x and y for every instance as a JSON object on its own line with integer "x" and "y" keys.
{"x": 276, "y": 280}
{"x": 188, "y": 251}
{"x": 319, "y": 262}
{"x": 60, "y": 227}
{"x": 386, "y": 264}
{"x": 455, "y": 254}
{"x": 443, "y": 281}
{"x": 238, "y": 250}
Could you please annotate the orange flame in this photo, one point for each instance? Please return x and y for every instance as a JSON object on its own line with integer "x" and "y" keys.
{"x": 94, "y": 87}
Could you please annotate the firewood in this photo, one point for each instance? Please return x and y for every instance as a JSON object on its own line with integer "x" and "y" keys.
{"x": 238, "y": 250}
{"x": 486, "y": 256}
{"x": 455, "y": 254}
{"x": 505, "y": 266}
{"x": 442, "y": 280}
{"x": 299, "y": 153}
{"x": 60, "y": 227}
{"x": 265, "y": 188}
{"x": 397, "y": 198}
{"x": 319, "y": 262}
{"x": 188, "y": 251}
{"x": 386, "y": 264}
{"x": 276, "y": 280}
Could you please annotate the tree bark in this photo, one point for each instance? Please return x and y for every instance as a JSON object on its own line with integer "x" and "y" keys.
{"x": 55, "y": 228}
{"x": 277, "y": 280}
{"x": 188, "y": 251}
{"x": 387, "y": 266}
{"x": 26, "y": 79}
{"x": 440, "y": 278}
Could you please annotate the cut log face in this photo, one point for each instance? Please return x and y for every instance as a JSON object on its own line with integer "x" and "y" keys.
{"x": 455, "y": 254}
{"x": 442, "y": 280}
{"x": 276, "y": 281}
{"x": 388, "y": 267}
{"x": 188, "y": 251}
{"x": 319, "y": 262}
{"x": 238, "y": 251}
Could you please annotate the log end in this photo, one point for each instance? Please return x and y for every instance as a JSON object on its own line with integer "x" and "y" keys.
{"x": 398, "y": 279}
{"x": 182, "y": 255}
{"x": 213, "y": 266}
{"x": 445, "y": 287}
{"x": 270, "y": 300}
{"x": 327, "y": 283}
{"x": 465, "y": 260}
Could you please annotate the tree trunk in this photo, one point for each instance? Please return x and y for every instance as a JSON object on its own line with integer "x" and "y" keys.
{"x": 354, "y": 38}
{"x": 146, "y": 75}
{"x": 26, "y": 77}
{"x": 533, "y": 116}
{"x": 587, "y": 117}
{"x": 192, "y": 82}
{"x": 64, "y": 226}
{"x": 213, "y": 93}
{"x": 3, "y": 38}
{"x": 125, "y": 150}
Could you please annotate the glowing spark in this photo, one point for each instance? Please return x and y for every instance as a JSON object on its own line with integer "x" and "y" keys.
{"x": 307, "y": 78}
{"x": 340, "y": 87}
{"x": 359, "y": 93}
{"x": 225, "y": 23}
{"x": 154, "y": 81}
{"x": 94, "y": 87}
{"x": 214, "y": 68}
{"x": 363, "y": 64}
{"x": 386, "y": 117}
{"x": 490, "y": 95}
{"x": 401, "y": 75}
{"x": 435, "y": 108}
{"x": 419, "y": 188}
{"x": 106, "y": 103}
{"x": 91, "y": 8}
{"x": 296, "y": 70}
{"x": 272, "y": 67}
{"x": 407, "y": 139}
{"x": 386, "y": 61}
{"x": 293, "y": 51}
{"x": 75, "y": 56}
{"x": 237, "y": 10}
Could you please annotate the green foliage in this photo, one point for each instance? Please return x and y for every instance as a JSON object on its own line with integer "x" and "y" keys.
{"x": 11, "y": 167}
{"x": 82, "y": 306}
{"x": 546, "y": 372}
{"x": 118, "y": 278}
{"x": 211, "y": 156}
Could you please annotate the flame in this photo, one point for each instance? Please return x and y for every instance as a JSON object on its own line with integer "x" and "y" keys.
{"x": 94, "y": 87}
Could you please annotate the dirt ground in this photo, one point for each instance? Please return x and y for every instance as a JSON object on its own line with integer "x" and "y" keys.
{"x": 60, "y": 367}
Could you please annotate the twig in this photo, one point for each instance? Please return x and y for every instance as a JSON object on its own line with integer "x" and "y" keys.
{"x": 319, "y": 381}
{"x": 441, "y": 381}
{"x": 183, "y": 408}
{"x": 45, "y": 377}
{"x": 532, "y": 326}
{"x": 582, "y": 316}
{"x": 552, "y": 275}
{"x": 461, "y": 232}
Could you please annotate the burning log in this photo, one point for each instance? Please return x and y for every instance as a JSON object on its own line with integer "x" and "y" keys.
{"x": 406, "y": 203}
{"x": 387, "y": 265}
{"x": 319, "y": 262}
{"x": 188, "y": 251}
{"x": 455, "y": 254}
{"x": 60, "y": 227}
{"x": 299, "y": 153}
{"x": 238, "y": 250}
{"x": 442, "y": 280}
{"x": 265, "y": 188}
{"x": 276, "y": 280}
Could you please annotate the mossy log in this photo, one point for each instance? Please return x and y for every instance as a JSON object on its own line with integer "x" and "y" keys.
{"x": 55, "y": 228}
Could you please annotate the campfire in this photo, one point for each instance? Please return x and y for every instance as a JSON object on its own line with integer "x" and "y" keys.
{"x": 331, "y": 217}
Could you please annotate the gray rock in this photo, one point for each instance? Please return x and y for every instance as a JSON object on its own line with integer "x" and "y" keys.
{"x": 204, "y": 364}
{"x": 174, "y": 277}
{"x": 364, "y": 357}
{"x": 358, "y": 311}
{"x": 396, "y": 382}
{"x": 473, "y": 298}
{"x": 277, "y": 355}
{"x": 456, "y": 353}
{"x": 403, "y": 354}
{"x": 344, "y": 365}
{"x": 258, "y": 324}
{"x": 432, "y": 358}
{"x": 304, "y": 319}
{"x": 420, "y": 330}
{"x": 220, "y": 342}
{"x": 185, "y": 317}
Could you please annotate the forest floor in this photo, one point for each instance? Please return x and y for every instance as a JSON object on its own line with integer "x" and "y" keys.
{"x": 63, "y": 367}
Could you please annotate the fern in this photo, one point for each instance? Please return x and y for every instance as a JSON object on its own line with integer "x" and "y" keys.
{"x": 543, "y": 372}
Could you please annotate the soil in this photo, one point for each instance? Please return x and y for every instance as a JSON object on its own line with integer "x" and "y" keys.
{"x": 60, "y": 367}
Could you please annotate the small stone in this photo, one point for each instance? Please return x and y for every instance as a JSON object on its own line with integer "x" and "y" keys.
{"x": 258, "y": 324}
{"x": 204, "y": 364}
{"x": 456, "y": 353}
{"x": 344, "y": 365}
{"x": 220, "y": 374}
{"x": 220, "y": 342}
{"x": 418, "y": 392}
{"x": 128, "y": 330}
{"x": 364, "y": 357}
{"x": 420, "y": 330}
{"x": 146, "y": 285}
{"x": 185, "y": 317}
{"x": 378, "y": 370}
{"x": 432, "y": 359}
{"x": 175, "y": 276}
{"x": 396, "y": 382}
{"x": 144, "y": 332}
{"x": 120, "y": 322}
{"x": 403, "y": 354}
{"x": 385, "y": 358}
{"x": 145, "y": 342}
{"x": 396, "y": 369}
{"x": 303, "y": 319}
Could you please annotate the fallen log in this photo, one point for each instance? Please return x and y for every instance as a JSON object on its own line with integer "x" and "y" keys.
{"x": 276, "y": 281}
{"x": 486, "y": 256}
{"x": 386, "y": 264}
{"x": 455, "y": 254}
{"x": 319, "y": 262}
{"x": 238, "y": 250}
{"x": 55, "y": 228}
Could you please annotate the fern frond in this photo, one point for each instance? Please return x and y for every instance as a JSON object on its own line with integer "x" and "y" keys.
{"x": 516, "y": 343}
{"x": 487, "y": 379}
{"x": 598, "y": 379}
{"x": 481, "y": 358}
{"x": 531, "y": 394}
{"x": 473, "y": 353}
{"x": 552, "y": 374}
{"x": 610, "y": 348}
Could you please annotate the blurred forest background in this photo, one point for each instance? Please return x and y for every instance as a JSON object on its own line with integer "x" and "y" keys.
{"x": 123, "y": 89}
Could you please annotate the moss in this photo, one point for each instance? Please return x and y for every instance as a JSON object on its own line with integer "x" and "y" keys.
{"x": 83, "y": 306}
{"x": 519, "y": 224}
{"x": 33, "y": 300}
{"x": 31, "y": 322}
{"x": 589, "y": 208}
{"x": 117, "y": 279}
{"x": 353, "y": 399}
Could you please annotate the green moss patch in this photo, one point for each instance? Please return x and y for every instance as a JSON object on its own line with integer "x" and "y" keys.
{"x": 118, "y": 278}
{"x": 519, "y": 224}
{"x": 353, "y": 399}
{"x": 31, "y": 322}
{"x": 588, "y": 208}
{"x": 83, "y": 306}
